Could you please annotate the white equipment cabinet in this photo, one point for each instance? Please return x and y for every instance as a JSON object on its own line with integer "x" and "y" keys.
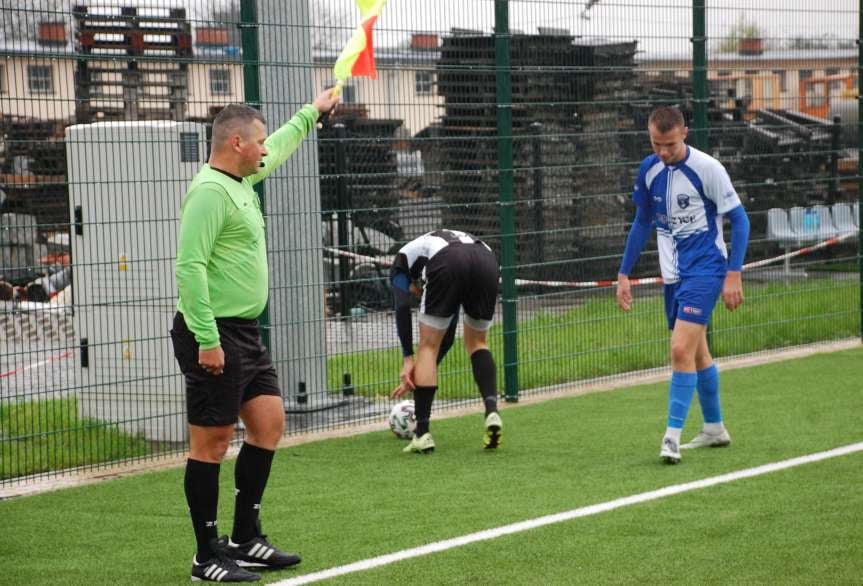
{"x": 126, "y": 184}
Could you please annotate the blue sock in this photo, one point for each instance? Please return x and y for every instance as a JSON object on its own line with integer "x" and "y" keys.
{"x": 708, "y": 394}
{"x": 679, "y": 397}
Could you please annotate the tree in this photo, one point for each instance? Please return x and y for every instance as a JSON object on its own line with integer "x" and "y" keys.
{"x": 22, "y": 24}
{"x": 332, "y": 26}
{"x": 743, "y": 29}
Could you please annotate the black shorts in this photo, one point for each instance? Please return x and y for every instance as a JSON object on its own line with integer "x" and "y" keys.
{"x": 249, "y": 372}
{"x": 464, "y": 275}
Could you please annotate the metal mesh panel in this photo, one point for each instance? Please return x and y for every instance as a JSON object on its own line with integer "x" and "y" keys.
{"x": 106, "y": 115}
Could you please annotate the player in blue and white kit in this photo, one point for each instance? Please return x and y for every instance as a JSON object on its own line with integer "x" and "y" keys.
{"x": 686, "y": 193}
{"x": 450, "y": 269}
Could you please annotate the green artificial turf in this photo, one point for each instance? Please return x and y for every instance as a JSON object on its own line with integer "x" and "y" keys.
{"x": 343, "y": 500}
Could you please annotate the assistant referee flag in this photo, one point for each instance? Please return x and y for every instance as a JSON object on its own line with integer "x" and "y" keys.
{"x": 358, "y": 56}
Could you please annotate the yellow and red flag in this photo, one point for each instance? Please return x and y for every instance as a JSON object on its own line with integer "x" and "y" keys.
{"x": 358, "y": 56}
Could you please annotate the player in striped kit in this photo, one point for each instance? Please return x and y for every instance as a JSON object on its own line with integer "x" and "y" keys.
{"x": 686, "y": 193}
{"x": 449, "y": 269}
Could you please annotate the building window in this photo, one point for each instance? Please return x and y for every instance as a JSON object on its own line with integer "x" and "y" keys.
{"x": 829, "y": 72}
{"x": 220, "y": 82}
{"x": 2, "y": 79}
{"x": 424, "y": 82}
{"x": 805, "y": 73}
{"x": 815, "y": 95}
{"x": 39, "y": 79}
{"x": 767, "y": 89}
{"x": 781, "y": 74}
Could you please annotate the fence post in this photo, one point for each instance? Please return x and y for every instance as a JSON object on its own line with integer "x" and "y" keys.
{"x": 699, "y": 76}
{"x": 342, "y": 220}
{"x": 507, "y": 213}
{"x": 700, "y": 95}
{"x": 835, "y": 145}
{"x": 252, "y": 93}
{"x": 860, "y": 159}
{"x": 538, "y": 203}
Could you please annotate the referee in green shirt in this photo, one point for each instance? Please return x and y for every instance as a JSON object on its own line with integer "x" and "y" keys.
{"x": 222, "y": 279}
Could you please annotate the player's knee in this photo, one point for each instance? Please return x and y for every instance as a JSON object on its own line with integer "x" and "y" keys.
{"x": 278, "y": 430}
{"x": 473, "y": 345}
{"x": 217, "y": 448}
{"x": 266, "y": 434}
{"x": 681, "y": 351}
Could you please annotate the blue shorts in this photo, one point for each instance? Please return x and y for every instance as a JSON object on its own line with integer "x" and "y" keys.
{"x": 692, "y": 299}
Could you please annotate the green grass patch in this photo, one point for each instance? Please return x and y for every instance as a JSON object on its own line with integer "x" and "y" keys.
{"x": 39, "y": 436}
{"x": 835, "y": 267}
{"x": 343, "y": 500}
{"x": 596, "y": 339}
{"x": 749, "y": 532}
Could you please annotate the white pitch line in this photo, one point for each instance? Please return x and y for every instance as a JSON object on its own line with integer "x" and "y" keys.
{"x": 566, "y": 516}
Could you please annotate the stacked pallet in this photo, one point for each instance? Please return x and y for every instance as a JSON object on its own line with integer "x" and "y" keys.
{"x": 568, "y": 98}
{"x": 369, "y": 170}
{"x": 33, "y": 172}
{"x": 140, "y": 77}
{"x": 786, "y": 158}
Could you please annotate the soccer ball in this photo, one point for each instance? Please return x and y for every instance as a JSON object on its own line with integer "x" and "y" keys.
{"x": 403, "y": 422}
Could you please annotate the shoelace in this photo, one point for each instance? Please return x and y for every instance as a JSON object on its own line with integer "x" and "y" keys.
{"x": 262, "y": 539}
{"x": 221, "y": 559}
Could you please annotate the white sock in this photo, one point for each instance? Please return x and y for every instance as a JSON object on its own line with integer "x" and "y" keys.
{"x": 673, "y": 433}
{"x": 714, "y": 428}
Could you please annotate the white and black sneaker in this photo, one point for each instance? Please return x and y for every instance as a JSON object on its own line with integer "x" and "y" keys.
{"x": 670, "y": 452}
{"x": 260, "y": 553}
{"x": 708, "y": 440}
{"x": 220, "y": 567}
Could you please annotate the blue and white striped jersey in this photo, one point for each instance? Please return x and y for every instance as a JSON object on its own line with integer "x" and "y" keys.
{"x": 687, "y": 201}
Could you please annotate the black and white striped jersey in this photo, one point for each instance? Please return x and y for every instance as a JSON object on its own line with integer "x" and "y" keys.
{"x": 413, "y": 257}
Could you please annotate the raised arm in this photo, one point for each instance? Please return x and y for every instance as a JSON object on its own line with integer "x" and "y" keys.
{"x": 284, "y": 142}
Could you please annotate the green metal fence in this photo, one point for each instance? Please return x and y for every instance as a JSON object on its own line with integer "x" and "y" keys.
{"x": 523, "y": 122}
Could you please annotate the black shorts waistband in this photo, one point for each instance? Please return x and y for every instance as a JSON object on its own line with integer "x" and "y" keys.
{"x": 230, "y": 321}
{"x": 237, "y": 321}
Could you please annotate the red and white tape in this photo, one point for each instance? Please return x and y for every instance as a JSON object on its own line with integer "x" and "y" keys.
{"x": 611, "y": 282}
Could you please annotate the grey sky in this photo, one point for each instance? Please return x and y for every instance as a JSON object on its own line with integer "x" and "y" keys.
{"x": 661, "y": 26}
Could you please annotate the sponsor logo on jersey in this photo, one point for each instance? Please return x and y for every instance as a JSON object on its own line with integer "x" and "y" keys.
{"x": 657, "y": 199}
{"x": 682, "y": 200}
{"x": 676, "y": 220}
{"x": 692, "y": 310}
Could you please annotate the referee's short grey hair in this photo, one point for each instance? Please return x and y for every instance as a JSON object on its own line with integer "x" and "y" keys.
{"x": 234, "y": 119}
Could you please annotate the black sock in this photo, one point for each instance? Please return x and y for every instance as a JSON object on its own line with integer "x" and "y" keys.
{"x": 202, "y": 495}
{"x": 485, "y": 375}
{"x": 423, "y": 397}
{"x": 250, "y": 478}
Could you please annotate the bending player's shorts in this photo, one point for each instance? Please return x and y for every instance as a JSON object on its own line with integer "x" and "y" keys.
{"x": 463, "y": 275}
{"x": 692, "y": 299}
{"x": 249, "y": 372}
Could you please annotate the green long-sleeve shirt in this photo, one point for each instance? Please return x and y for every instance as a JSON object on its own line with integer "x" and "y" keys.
{"x": 221, "y": 251}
